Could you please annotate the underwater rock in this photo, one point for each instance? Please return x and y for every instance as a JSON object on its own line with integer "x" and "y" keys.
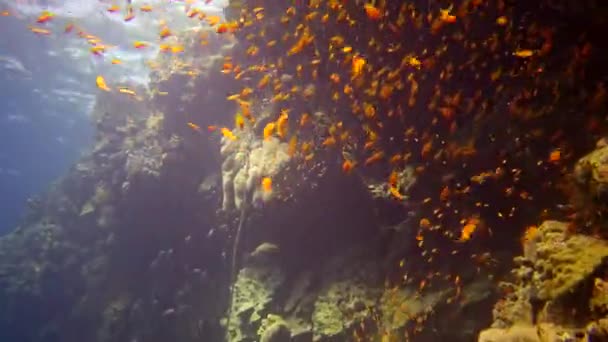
{"x": 563, "y": 260}
{"x": 254, "y": 291}
{"x": 550, "y": 282}
{"x": 517, "y": 333}
{"x": 591, "y": 172}
{"x": 274, "y": 329}
{"x": 342, "y": 303}
{"x": 301, "y": 285}
{"x": 399, "y": 306}
{"x": 544, "y": 332}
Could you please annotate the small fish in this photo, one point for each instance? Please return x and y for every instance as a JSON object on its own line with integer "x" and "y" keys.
{"x": 213, "y": 20}
{"x": 228, "y": 134}
{"x": 267, "y": 184}
{"x": 139, "y": 44}
{"x": 469, "y": 228}
{"x": 529, "y": 234}
{"x": 293, "y": 146}
{"x": 372, "y": 12}
{"x": 130, "y": 15}
{"x": 101, "y": 83}
{"x": 282, "y": 124}
{"x": 555, "y": 156}
{"x": 239, "y": 121}
{"x": 347, "y": 166}
{"x": 446, "y": 17}
{"x": 304, "y": 119}
{"x": 357, "y": 65}
{"x": 127, "y": 91}
{"x": 269, "y": 130}
{"x": 502, "y": 21}
{"x": 40, "y": 31}
{"x": 194, "y": 126}
{"x": 68, "y": 28}
{"x": 45, "y": 17}
{"x": 165, "y": 32}
{"x": 524, "y": 53}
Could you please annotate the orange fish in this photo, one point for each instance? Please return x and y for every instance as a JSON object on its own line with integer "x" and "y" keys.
{"x": 395, "y": 192}
{"x": 125, "y": 90}
{"x": 529, "y": 234}
{"x": 194, "y": 126}
{"x": 293, "y": 146}
{"x": 555, "y": 156}
{"x": 40, "y": 31}
{"x": 347, "y": 166}
{"x": 213, "y": 20}
{"x": 446, "y": 17}
{"x": 139, "y": 45}
{"x": 524, "y": 53}
{"x": 164, "y": 32}
{"x": 372, "y": 12}
{"x": 357, "y": 65}
{"x": 130, "y": 14}
{"x": 374, "y": 158}
{"x": 228, "y": 134}
{"x": 468, "y": 229}
{"x": 304, "y": 119}
{"x": 44, "y": 17}
{"x": 68, "y": 28}
{"x": 282, "y": 124}
{"x": 267, "y": 184}
{"x": 101, "y": 83}
{"x": 146, "y": 8}
{"x": 269, "y": 130}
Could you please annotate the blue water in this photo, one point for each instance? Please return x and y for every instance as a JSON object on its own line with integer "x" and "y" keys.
{"x": 44, "y": 124}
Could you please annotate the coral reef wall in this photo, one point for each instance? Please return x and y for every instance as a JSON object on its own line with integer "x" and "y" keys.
{"x": 174, "y": 229}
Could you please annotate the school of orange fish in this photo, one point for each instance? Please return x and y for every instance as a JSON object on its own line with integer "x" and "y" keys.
{"x": 461, "y": 91}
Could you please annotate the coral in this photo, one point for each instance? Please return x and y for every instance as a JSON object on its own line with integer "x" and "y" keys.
{"x": 254, "y": 290}
{"x": 246, "y": 161}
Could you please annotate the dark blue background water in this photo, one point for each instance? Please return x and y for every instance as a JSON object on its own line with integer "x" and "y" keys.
{"x": 41, "y": 134}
